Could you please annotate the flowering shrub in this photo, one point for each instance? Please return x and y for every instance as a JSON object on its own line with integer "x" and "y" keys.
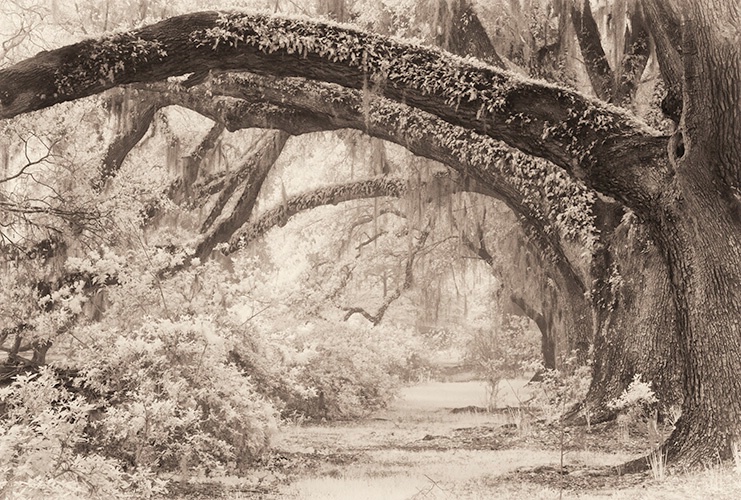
{"x": 638, "y": 396}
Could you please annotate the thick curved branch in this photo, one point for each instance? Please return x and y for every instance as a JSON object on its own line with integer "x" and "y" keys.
{"x": 510, "y": 176}
{"x": 581, "y": 135}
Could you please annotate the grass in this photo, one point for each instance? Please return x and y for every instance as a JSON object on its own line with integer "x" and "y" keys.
{"x": 418, "y": 449}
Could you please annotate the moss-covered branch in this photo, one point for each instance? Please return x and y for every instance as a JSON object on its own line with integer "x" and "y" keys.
{"x": 536, "y": 190}
{"x": 589, "y": 139}
{"x": 331, "y": 195}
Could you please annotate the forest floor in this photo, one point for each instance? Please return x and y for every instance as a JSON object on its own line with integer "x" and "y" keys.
{"x": 420, "y": 448}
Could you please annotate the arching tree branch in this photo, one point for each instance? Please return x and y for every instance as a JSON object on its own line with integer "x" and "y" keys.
{"x": 332, "y": 195}
{"x": 588, "y": 139}
{"x": 513, "y": 177}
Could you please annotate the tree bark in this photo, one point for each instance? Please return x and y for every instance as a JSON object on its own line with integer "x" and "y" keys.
{"x": 698, "y": 229}
{"x": 619, "y": 156}
{"x": 635, "y": 312}
{"x": 598, "y": 68}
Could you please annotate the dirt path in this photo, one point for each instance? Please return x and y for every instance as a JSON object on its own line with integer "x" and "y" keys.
{"x": 419, "y": 449}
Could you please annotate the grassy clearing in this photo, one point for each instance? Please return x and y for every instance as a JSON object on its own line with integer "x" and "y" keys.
{"x": 418, "y": 449}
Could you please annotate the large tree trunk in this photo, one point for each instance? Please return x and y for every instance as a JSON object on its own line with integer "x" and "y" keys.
{"x": 702, "y": 241}
{"x": 698, "y": 228}
{"x": 635, "y": 314}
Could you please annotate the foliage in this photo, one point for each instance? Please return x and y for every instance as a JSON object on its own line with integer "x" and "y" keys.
{"x": 44, "y": 449}
{"x": 503, "y": 351}
{"x": 638, "y": 403}
{"x": 638, "y": 395}
{"x": 340, "y": 371}
{"x": 174, "y": 400}
{"x": 559, "y": 390}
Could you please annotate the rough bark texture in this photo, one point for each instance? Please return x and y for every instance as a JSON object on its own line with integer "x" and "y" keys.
{"x": 699, "y": 232}
{"x": 598, "y": 67}
{"x": 617, "y": 155}
{"x": 666, "y": 32}
{"x": 636, "y": 318}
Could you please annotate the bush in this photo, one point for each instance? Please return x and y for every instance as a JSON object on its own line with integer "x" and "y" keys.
{"x": 337, "y": 371}
{"x": 43, "y": 441}
{"x": 173, "y": 401}
{"x": 559, "y": 390}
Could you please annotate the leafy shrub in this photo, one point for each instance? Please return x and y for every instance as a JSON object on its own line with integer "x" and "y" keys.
{"x": 174, "y": 402}
{"x": 639, "y": 396}
{"x": 637, "y": 402}
{"x": 561, "y": 389}
{"x": 43, "y": 446}
{"x": 341, "y": 371}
